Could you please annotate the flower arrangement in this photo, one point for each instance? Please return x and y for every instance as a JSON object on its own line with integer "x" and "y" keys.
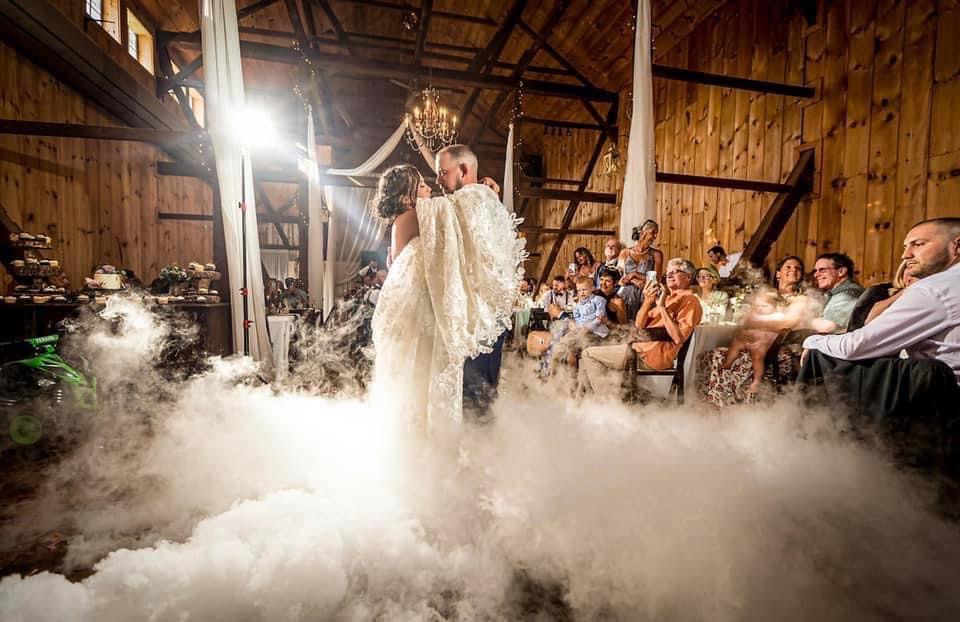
{"x": 174, "y": 274}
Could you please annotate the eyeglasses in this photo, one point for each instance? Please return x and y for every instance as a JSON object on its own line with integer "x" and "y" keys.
{"x": 819, "y": 270}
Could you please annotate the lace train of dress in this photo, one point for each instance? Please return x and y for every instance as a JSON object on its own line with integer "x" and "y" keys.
{"x": 447, "y": 297}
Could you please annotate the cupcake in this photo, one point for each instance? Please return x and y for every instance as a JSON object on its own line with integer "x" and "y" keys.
{"x": 210, "y": 267}
{"x": 10, "y": 299}
{"x": 162, "y": 300}
{"x": 32, "y": 261}
{"x": 25, "y": 236}
{"x": 25, "y": 298}
{"x": 203, "y": 291}
{"x": 83, "y": 298}
{"x": 19, "y": 288}
{"x": 201, "y": 299}
{"x": 39, "y": 300}
{"x": 196, "y": 267}
{"x": 17, "y": 263}
{"x": 54, "y": 263}
{"x": 59, "y": 298}
{"x": 100, "y": 300}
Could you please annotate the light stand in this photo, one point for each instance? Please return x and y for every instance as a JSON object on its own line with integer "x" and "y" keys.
{"x": 244, "y": 290}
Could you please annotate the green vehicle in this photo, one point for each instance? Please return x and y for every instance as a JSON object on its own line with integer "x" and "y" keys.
{"x": 46, "y": 404}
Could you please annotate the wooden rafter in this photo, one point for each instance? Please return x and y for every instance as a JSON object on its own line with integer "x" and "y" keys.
{"x": 426, "y": 9}
{"x": 406, "y": 8}
{"x": 486, "y": 58}
{"x": 571, "y": 210}
{"x": 556, "y": 14}
{"x": 268, "y": 205}
{"x": 256, "y": 7}
{"x": 532, "y": 229}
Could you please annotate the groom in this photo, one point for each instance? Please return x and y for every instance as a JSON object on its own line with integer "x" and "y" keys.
{"x": 457, "y": 167}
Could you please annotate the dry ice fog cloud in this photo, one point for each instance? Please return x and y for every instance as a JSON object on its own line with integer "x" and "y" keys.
{"x": 228, "y": 500}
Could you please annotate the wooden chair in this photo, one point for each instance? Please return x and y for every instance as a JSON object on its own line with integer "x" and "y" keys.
{"x": 676, "y": 372}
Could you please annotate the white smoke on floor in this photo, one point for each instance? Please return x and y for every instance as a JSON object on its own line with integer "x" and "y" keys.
{"x": 238, "y": 503}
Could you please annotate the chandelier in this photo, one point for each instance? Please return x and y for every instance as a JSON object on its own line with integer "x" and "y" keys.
{"x": 430, "y": 124}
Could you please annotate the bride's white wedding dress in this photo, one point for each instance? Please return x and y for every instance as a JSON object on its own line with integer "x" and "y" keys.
{"x": 448, "y": 295}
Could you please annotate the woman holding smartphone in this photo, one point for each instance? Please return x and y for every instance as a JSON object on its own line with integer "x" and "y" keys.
{"x": 636, "y": 262}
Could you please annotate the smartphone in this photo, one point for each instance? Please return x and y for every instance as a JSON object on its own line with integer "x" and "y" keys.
{"x": 572, "y": 268}
{"x": 652, "y": 275}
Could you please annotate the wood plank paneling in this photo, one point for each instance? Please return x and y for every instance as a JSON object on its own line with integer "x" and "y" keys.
{"x": 97, "y": 199}
{"x": 884, "y": 122}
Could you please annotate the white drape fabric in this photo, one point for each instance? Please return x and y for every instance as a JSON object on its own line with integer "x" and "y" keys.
{"x": 639, "y": 186}
{"x": 278, "y": 263}
{"x": 378, "y": 157}
{"x": 508, "y": 173}
{"x": 354, "y": 226}
{"x": 223, "y": 84}
{"x": 316, "y": 264}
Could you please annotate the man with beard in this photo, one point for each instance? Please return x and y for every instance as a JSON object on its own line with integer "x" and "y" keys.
{"x": 903, "y": 368}
{"x": 456, "y": 168}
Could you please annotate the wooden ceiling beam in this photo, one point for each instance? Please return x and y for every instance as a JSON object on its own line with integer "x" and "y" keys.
{"x": 485, "y": 59}
{"x": 256, "y": 7}
{"x": 406, "y": 8}
{"x": 102, "y": 132}
{"x": 267, "y": 205}
{"x": 557, "y": 56}
{"x": 572, "y": 125}
{"x": 732, "y": 82}
{"x": 548, "y": 230}
{"x": 607, "y": 198}
{"x": 426, "y": 8}
{"x": 39, "y": 31}
{"x": 525, "y": 60}
{"x": 751, "y": 185}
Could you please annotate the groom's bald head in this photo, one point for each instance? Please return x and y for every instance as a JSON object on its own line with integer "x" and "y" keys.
{"x": 456, "y": 167}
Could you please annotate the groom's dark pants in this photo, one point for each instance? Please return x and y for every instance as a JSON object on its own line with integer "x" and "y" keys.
{"x": 480, "y": 378}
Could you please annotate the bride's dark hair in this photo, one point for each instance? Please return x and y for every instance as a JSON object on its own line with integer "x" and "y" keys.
{"x": 397, "y": 190}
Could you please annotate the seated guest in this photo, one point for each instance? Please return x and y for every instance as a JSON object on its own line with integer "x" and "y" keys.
{"x": 525, "y": 289}
{"x": 586, "y": 264}
{"x": 878, "y": 297}
{"x": 715, "y": 303}
{"x": 558, "y": 300}
{"x": 294, "y": 297}
{"x": 373, "y": 294}
{"x": 674, "y": 309}
{"x": 722, "y": 380}
{"x": 924, "y": 321}
{"x": 636, "y": 261}
{"x": 833, "y": 274}
{"x": 588, "y": 326}
{"x": 616, "y": 308}
{"x": 723, "y": 263}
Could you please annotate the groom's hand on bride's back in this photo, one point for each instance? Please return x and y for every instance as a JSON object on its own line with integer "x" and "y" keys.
{"x": 489, "y": 182}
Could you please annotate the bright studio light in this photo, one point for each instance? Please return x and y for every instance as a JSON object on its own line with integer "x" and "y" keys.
{"x": 254, "y": 129}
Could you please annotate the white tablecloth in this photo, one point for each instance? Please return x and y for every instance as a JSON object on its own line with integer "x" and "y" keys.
{"x": 705, "y": 337}
{"x": 281, "y": 330}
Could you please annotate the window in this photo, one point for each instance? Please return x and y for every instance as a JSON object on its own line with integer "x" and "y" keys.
{"x": 139, "y": 41}
{"x": 95, "y": 9}
{"x": 106, "y": 14}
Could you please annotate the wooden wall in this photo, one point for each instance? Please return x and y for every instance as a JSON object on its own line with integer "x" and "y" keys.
{"x": 885, "y": 123}
{"x": 98, "y": 199}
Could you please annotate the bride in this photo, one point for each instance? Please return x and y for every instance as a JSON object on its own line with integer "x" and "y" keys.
{"x": 448, "y": 294}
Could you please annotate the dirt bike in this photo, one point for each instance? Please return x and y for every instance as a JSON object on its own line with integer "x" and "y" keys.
{"x": 45, "y": 403}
